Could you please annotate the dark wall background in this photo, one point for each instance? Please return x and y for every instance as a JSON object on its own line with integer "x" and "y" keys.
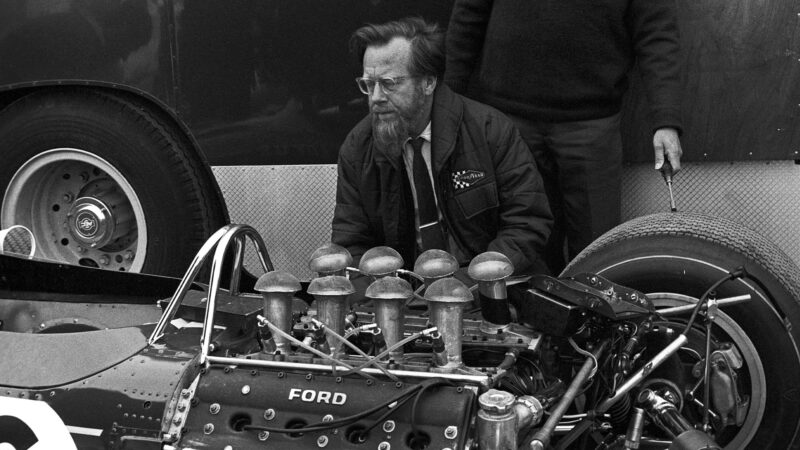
{"x": 741, "y": 83}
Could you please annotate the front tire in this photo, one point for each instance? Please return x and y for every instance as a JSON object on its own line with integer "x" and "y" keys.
{"x": 103, "y": 182}
{"x": 678, "y": 256}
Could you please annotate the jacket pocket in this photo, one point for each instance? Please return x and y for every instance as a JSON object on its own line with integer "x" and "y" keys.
{"x": 474, "y": 201}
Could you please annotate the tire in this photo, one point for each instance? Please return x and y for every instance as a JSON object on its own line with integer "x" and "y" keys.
{"x": 676, "y": 257}
{"x": 101, "y": 181}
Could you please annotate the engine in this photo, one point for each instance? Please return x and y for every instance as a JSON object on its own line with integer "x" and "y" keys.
{"x": 377, "y": 357}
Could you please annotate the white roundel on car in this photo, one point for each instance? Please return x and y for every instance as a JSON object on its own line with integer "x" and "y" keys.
{"x": 33, "y": 425}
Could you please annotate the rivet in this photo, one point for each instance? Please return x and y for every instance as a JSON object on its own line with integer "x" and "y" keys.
{"x": 388, "y": 426}
{"x": 245, "y": 389}
{"x": 208, "y": 428}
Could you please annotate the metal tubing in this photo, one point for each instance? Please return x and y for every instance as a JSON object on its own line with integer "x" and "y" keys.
{"x": 447, "y": 318}
{"x": 635, "y": 379}
{"x": 541, "y": 439}
{"x": 278, "y": 310}
{"x": 390, "y": 319}
{"x": 331, "y": 310}
{"x": 186, "y": 282}
{"x": 720, "y": 303}
{"x": 640, "y": 374}
{"x": 481, "y": 380}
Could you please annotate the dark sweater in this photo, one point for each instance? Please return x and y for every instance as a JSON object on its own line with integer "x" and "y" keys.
{"x": 564, "y": 60}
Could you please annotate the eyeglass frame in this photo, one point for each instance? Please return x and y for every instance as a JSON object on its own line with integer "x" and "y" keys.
{"x": 380, "y": 82}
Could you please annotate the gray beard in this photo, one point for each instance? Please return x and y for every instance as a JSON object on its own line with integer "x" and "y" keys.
{"x": 389, "y": 134}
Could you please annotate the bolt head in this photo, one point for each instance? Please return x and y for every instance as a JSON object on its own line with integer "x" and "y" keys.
{"x": 450, "y": 432}
{"x": 208, "y": 428}
{"x": 214, "y": 408}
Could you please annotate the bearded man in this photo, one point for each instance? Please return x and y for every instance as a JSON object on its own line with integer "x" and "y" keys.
{"x": 428, "y": 168}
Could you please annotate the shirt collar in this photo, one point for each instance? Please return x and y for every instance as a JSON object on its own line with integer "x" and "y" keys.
{"x": 426, "y": 133}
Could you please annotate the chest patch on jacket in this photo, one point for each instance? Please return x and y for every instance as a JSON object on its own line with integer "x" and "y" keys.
{"x": 466, "y": 178}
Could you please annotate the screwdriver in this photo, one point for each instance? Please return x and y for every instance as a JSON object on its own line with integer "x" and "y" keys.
{"x": 666, "y": 172}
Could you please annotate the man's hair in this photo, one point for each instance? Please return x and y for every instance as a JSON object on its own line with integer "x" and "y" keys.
{"x": 427, "y": 43}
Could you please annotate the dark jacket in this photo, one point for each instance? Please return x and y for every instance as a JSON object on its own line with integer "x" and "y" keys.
{"x": 490, "y": 191}
{"x": 566, "y": 60}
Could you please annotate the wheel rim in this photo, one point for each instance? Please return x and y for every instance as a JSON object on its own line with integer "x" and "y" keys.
{"x": 755, "y": 369}
{"x": 80, "y": 208}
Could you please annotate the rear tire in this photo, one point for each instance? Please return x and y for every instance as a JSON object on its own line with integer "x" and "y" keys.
{"x": 682, "y": 255}
{"x": 102, "y": 181}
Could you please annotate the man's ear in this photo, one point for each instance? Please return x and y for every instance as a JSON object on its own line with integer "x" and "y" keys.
{"x": 429, "y": 84}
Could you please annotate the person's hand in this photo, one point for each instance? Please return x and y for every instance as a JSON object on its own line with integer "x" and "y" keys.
{"x": 666, "y": 142}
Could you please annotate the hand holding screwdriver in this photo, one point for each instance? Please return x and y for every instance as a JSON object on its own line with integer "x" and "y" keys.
{"x": 667, "y": 147}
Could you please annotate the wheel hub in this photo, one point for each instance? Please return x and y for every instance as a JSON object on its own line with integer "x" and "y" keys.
{"x": 91, "y": 222}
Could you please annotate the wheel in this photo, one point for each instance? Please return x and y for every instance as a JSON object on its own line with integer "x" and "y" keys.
{"x": 103, "y": 182}
{"x": 675, "y": 258}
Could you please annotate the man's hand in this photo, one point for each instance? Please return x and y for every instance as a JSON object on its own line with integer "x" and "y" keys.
{"x": 666, "y": 142}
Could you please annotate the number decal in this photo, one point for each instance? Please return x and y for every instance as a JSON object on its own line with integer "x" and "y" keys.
{"x": 31, "y": 425}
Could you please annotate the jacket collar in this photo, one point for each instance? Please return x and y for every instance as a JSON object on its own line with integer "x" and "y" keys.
{"x": 446, "y": 116}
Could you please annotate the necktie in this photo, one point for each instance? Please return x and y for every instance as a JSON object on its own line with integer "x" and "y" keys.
{"x": 430, "y": 229}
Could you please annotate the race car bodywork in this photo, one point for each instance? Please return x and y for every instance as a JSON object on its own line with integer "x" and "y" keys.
{"x": 670, "y": 331}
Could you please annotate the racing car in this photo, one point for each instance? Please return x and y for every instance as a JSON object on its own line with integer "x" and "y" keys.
{"x": 674, "y": 330}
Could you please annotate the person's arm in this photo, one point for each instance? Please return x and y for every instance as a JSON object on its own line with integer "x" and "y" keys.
{"x": 350, "y": 227}
{"x": 525, "y": 218}
{"x": 464, "y": 42}
{"x": 657, "y": 44}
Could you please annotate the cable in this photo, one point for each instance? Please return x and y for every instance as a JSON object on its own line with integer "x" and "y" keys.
{"x": 351, "y": 346}
{"x": 586, "y": 354}
{"x": 335, "y": 361}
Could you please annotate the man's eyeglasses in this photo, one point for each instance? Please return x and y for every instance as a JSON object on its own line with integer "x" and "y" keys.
{"x": 388, "y": 84}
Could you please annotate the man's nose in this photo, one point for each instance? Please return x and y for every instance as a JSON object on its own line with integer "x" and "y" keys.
{"x": 377, "y": 94}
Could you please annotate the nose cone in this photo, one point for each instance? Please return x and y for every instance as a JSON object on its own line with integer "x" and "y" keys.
{"x": 435, "y": 263}
{"x": 277, "y": 281}
{"x": 330, "y": 258}
{"x": 490, "y": 266}
{"x": 448, "y": 290}
{"x": 389, "y": 288}
{"x": 331, "y": 285}
{"x": 380, "y": 261}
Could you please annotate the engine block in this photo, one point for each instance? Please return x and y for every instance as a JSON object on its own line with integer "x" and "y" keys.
{"x": 257, "y": 402}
